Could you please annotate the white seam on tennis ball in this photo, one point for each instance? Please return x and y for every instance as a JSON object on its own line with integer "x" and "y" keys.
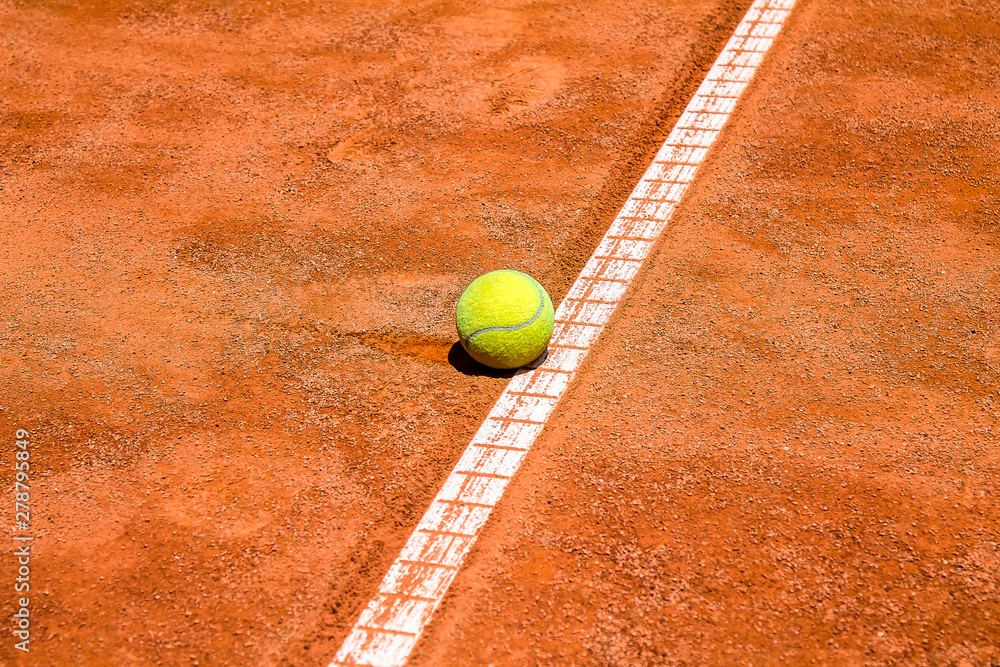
{"x": 515, "y": 327}
{"x": 391, "y": 623}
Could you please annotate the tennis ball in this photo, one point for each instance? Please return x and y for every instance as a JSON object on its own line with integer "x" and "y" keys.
{"x": 504, "y": 319}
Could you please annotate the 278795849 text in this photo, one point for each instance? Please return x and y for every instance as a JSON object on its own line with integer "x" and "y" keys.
{"x": 22, "y": 519}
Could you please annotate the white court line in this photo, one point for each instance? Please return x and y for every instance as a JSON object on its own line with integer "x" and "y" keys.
{"x": 392, "y": 622}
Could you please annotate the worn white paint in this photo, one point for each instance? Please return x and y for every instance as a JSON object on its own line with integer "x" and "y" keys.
{"x": 390, "y": 625}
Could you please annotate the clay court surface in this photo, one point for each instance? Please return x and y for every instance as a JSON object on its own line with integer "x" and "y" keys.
{"x": 232, "y": 237}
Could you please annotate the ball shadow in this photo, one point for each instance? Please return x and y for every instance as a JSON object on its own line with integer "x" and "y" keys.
{"x": 466, "y": 365}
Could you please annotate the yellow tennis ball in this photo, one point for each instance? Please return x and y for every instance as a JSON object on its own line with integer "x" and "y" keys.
{"x": 504, "y": 319}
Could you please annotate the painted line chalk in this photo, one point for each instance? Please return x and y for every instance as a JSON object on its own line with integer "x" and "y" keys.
{"x": 391, "y": 623}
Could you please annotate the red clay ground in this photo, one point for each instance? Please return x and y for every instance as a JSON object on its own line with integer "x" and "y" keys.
{"x": 783, "y": 450}
{"x": 232, "y": 237}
